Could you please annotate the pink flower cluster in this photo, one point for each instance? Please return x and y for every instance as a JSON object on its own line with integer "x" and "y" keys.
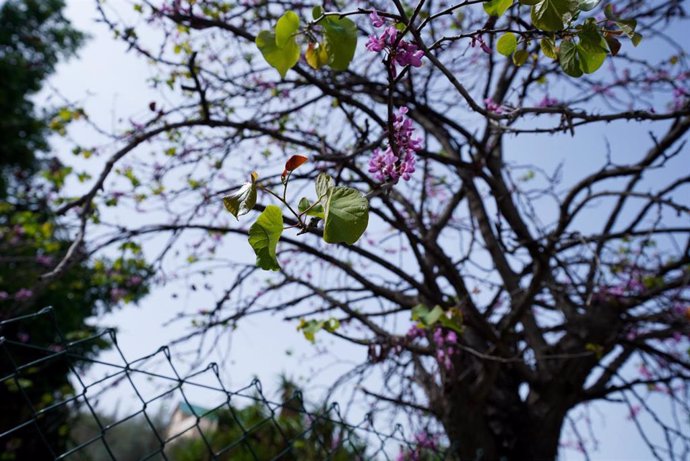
{"x": 391, "y": 165}
{"x": 402, "y": 52}
{"x": 445, "y": 347}
{"x": 445, "y": 342}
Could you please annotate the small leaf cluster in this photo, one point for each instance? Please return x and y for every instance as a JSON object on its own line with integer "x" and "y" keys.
{"x": 583, "y": 48}
{"x": 343, "y": 210}
{"x": 437, "y": 316}
{"x": 331, "y": 40}
{"x": 309, "y": 328}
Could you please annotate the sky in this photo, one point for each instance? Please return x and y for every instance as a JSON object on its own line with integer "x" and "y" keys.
{"x": 110, "y": 83}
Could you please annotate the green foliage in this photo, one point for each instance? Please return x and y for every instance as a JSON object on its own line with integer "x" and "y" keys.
{"x": 34, "y": 35}
{"x": 429, "y": 318}
{"x": 264, "y": 235}
{"x": 281, "y": 59}
{"x": 343, "y": 210}
{"x": 254, "y": 432}
{"x": 341, "y": 41}
{"x": 346, "y": 215}
{"x": 507, "y": 44}
{"x": 497, "y": 7}
{"x": 242, "y": 201}
{"x": 310, "y": 327}
{"x": 281, "y": 50}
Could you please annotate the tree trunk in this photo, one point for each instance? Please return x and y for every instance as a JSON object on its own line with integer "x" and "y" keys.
{"x": 503, "y": 426}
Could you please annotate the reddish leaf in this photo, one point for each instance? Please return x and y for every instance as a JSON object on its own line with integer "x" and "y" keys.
{"x": 293, "y": 163}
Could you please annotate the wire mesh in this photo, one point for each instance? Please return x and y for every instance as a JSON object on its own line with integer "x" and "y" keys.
{"x": 50, "y": 409}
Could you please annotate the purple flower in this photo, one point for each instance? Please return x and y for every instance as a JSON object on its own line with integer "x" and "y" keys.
{"x": 376, "y": 20}
{"x": 44, "y": 260}
{"x": 4, "y": 295}
{"x": 134, "y": 280}
{"x": 415, "y": 332}
{"x": 491, "y": 106}
{"x": 116, "y": 294}
{"x": 387, "y": 39}
{"x": 548, "y": 102}
{"x": 408, "y": 54}
{"x": 386, "y": 165}
{"x": 438, "y": 338}
{"x": 451, "y": 338}
{"x": 23, "y": 294}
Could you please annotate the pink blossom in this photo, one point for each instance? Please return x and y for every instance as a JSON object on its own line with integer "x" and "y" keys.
{"x": 44, "y": 260}
{"x": 23, "y": 294}
{"x": 376, "y": 20}
{"x": 415, "y": 332}
{"x": 386, "y": 165}
{"x": 492, "y": 106}
{"x": 134, "y": 280}
{"x": 4, "y": 295}
{"x": 547, "y": 102}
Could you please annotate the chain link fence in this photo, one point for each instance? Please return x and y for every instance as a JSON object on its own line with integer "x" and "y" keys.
{"x": 50, "y": 408}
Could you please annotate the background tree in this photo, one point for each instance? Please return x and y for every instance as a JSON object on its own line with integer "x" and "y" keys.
{"x": 492, "y": 294}
{"x": 34, "y": 35}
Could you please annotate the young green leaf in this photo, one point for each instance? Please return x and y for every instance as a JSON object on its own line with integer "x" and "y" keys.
{"x": 341, "y": 41}
{"x": 324, "y": 183}
{"x": 346, "y": 215}
{"x": 264, "y": 235}
{"x": 588, "y": 5}
{"x": 520, "y": 57}
{"x": 280, "y": 58}
{"x": 497, "y": 7}
{"x": 305, "y": 205}
{"x": 553, "y": 15}
{"x": 548, "y": 47}
{"x": 507, "y": 44}
{"x": 242, "y": 201}
{"x": 569, "y": 59}
{"x": 286, "y": 28}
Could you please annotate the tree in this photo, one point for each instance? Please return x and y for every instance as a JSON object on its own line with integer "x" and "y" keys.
{"x": 495, "y": 295}
{"x": 34, "y": 35}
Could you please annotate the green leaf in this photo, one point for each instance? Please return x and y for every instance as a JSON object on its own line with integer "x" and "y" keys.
{"x": 520, "y": 57}
{"x": 324, "y": 183}
{"x": 341, "y": 41}
{"x": 575, "y": 60}
{"x": 315, "y": 211}
{"x": 588, "y": 5}
{"x": 507, "y": 44}
{"x": 548, "y": 47}
{"x": 569, "y": 59}
{"x": 553, "y": 15}
{"x": 286, "y": 28}
{"x": 433, "y": 316}
{"x": 281, "y": 59}
{"x": 309, "y": 328}
{"x": 264, "y": 235}
{"x": 242, "y": 201}
{"x": 497, "y": 7}
{"x": 346, "y": 215}
{"x": 636, "y": 39}
{"x": 591, "y": 39}
{"x": 316, "y": 12}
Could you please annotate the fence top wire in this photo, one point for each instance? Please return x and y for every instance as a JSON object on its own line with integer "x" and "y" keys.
{"x": 50, "y": 410}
